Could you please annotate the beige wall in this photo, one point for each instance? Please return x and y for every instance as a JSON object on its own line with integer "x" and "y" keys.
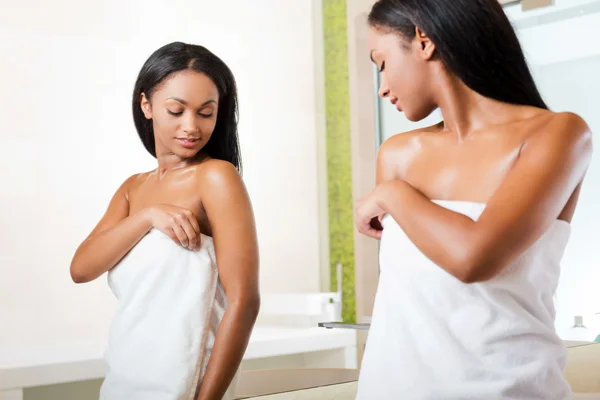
{"x": 321, "y": 137}
{"x": 363, "y": 152}
{"x": 68, "y": 140}
{"x": 583, "y": 368}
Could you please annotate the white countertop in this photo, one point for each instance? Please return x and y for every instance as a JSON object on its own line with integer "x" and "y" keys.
{"x": 44, "y": 363}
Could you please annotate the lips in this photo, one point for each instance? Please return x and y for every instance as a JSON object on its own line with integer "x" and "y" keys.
{"x": 394, "y": 102}
{"x": 188, "y": 141}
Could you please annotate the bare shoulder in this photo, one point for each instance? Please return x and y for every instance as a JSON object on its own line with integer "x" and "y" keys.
{"x": 217, "y": 174}
{"x": 568, "y": 123}
{"x": 220, "y": 185}
{"x": 223, "y": 193}
{"x": 563, "y": 131}
{"x": 409, "y": 141}
{"x": 398, "y": 152}
{"x": 132, "y": 183}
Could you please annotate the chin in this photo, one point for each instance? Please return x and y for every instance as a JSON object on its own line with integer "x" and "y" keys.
{"x": 186, "y": 154}
{"x": 412, "y": 117}
{"x": 416, "y": 116}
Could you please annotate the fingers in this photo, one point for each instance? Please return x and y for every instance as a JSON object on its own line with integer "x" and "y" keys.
{"x": 182, "y": 237}
{"x": 186, "y": 229}
{"x": 367, "y": 230}
{"x": 196, "y": 227}
{"x": 370, "y": 227}
{"x": 170, "y": 233}
{"x": 192, "y": 234}
{"x": 180, "y": 224}
{"x": 374, "y": 233}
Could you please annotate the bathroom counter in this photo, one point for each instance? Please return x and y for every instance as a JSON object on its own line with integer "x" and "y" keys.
{"x": 342, "y": 391}
{"x": 297, "y": 383}
{"x": 24, "y": 365}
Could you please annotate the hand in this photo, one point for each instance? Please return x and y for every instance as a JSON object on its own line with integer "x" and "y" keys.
{"x": 178, "y": 223}
{"x": 367, "y": 214}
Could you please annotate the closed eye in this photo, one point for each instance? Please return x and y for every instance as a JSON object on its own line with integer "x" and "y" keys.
{"x": 203, "y": 115}
{"x": 382, "y": 67}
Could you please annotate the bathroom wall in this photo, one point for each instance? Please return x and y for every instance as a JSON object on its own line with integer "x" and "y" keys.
{"x": 68, "y": 140}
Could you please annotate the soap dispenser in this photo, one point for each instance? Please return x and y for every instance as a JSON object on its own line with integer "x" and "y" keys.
{"x": 597, "y": 326}
{"x": 579, "y": 331}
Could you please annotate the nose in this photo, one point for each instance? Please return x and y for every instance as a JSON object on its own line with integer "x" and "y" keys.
{"x": 384, "y": 90}
{"x": 189, "y": 124}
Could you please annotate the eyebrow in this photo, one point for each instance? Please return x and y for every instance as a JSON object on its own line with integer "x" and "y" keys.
{"x": 371, "y": 57}
{"x": 185, "y": 102}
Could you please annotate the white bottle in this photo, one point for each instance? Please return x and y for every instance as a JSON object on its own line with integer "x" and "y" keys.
{"x": 580, "y": 332}
{"x": 329, "y": 311}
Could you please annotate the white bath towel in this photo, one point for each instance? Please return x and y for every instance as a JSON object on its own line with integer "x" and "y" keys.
{"x": 433, "y": 337}
{"x": 170, "y": 304}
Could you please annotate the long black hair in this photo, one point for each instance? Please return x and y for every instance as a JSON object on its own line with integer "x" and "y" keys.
{"x": 473, "y": 38}
{"x": 178, "y": 56}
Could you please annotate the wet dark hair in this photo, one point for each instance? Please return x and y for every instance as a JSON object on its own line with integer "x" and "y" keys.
{"x": 473, "y": 38}
{"x": 178, "y": 56}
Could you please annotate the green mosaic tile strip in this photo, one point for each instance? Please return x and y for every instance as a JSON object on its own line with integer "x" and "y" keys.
{"x": 339, "y": 162}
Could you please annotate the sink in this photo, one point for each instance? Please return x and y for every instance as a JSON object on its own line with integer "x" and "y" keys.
{"x": 363, "y": 325}
{"x": 344, "y": 325}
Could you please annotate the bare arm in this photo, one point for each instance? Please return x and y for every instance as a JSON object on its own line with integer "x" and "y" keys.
{"x": 232, "y": 221}
{"x": 115, "y": 234}
{"x": 550, "y": 167}
{"x": 118, "y": 232}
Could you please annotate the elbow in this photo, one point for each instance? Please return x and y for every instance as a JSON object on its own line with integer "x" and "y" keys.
{"x": 469, "y": 277}
{"x": 252, "y": 306}
{"x": 248, "y": 305}
{"x": 476, "y": 273}
{"x": 78, "y": 275}
{"x": 472, "y": 269}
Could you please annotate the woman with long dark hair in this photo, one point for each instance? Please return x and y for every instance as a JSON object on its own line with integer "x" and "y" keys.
{"x": 179, "y": 242}
{"x": 473, "y": 213}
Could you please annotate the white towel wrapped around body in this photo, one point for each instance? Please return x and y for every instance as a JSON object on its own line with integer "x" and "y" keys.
{"x": 170, "y": 305}
{"x": 433, "y": 337}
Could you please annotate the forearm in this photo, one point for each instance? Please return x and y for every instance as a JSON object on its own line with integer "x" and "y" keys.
{"x": 102, "y": 251}
{"x": 445, "y": 237}
{"x": 229, "y": 348}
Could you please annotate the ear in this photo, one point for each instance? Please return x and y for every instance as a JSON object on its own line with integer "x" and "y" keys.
{"x": 426, "y": 46}
{"x": 146, "y": 106}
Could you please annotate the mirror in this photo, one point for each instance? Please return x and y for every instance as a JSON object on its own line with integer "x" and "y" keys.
{"x": 565, "y": 61}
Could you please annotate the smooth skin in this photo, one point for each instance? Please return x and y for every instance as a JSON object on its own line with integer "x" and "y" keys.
{"x": 188, "y": 194}
{"x": 526, "y": 164}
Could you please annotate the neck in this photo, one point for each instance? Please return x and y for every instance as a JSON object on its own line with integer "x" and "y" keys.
{"x": 466, "y": 111}
{"x": 167, "y": 161}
